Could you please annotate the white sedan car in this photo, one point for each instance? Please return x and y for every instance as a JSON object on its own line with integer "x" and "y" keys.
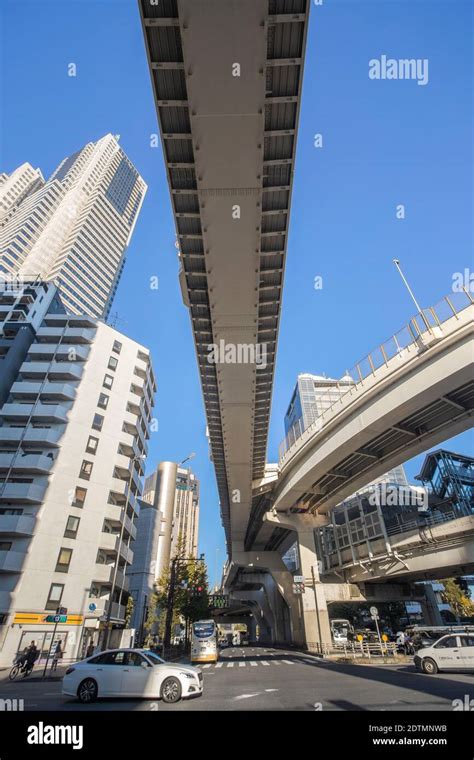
{"x": 131, "y": 673}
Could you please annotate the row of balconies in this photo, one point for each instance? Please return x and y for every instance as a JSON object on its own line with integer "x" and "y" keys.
{"x": 32, "y": 463}
{"x": 58, "y": 390}
{"x": 36, "y": 412}
{"x": 69, "y": 335}
{"x": 66, "y": 370}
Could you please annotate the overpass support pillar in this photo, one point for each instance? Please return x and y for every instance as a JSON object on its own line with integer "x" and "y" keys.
{"x": 271, "y": 562}
{"x": 315, "y": 611}
{"x": 429, "y": 607}
{"x": 252, "y": 629}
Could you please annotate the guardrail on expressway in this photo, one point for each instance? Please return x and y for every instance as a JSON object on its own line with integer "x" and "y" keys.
{"x": 427, "y": 322}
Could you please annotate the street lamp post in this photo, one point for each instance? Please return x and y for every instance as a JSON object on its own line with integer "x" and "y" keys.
{"x": 412, "y": 295}
{"x": 108, "y": 618}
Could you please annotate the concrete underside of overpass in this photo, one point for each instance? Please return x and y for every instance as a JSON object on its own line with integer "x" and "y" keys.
{"x": 227, "y": 80}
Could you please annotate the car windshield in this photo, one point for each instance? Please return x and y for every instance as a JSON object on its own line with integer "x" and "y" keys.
{"x": 153, "y": 657}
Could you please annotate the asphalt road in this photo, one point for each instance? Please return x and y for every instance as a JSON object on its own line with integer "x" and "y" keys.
{"x": 258, "y": 678}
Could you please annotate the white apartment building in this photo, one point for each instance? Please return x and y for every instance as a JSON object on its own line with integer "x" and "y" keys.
{"x": 73, "y": 431}
{"x": 74, "y": 229}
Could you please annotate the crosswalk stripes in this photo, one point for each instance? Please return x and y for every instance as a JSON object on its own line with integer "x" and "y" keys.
{"x": 253, "y": 663}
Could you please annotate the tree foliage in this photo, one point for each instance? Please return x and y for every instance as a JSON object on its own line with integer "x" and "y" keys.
{"x": 457, "y": 598}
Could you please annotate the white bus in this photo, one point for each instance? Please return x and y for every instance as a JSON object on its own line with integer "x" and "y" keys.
{"x": 204, "y": 641}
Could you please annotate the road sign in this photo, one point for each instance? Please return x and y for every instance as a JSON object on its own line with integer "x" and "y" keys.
{"x": 56, "y": 618}
{"x": 374, "y": 612}
{"x": 298, "y": 588}
{"x": 219, "y": 600}
{"x": 360, "y": 637}
{"x": 92, "y": 607}
{"x": 298, "y": 579}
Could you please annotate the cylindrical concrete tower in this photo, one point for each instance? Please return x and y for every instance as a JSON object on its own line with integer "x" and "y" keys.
{"x": 164, "y": 501}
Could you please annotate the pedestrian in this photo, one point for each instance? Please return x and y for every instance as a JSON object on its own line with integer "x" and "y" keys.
{"x": 58, "y": 654}
{"x": 90, "y": 649}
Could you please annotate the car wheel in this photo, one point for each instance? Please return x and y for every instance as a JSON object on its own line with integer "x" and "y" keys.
{"x": 171, "y": 690}
{"x": 429, "y": 667}
{"x": 87, "y": 691}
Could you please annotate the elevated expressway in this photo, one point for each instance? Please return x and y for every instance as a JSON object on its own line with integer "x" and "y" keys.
{"x": 227, "y": 78}
{"x": 410, "y": 398}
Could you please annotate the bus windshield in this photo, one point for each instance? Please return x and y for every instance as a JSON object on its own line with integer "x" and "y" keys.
{"x": 204, "y": 630}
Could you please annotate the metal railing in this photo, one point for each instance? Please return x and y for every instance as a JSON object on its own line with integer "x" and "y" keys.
{"x": 355, "y": 649}
{"x": 426, "y": 322}
{"x": 434, "y": 519}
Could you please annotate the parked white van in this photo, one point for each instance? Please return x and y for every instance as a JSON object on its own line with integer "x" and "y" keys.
{"x": 451, "y": 652}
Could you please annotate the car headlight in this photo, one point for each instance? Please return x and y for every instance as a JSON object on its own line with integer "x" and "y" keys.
{"x": 187, "y": 675}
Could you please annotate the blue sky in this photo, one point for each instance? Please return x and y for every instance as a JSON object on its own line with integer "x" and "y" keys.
{"x": 384, "y": 143}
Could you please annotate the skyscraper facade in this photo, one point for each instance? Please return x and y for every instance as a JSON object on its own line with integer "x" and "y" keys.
{"x": 74, "y": 228}
{"x": 186, "y": 513}
{"x": 73, "y": 433}
{"x": 313, "y": 395}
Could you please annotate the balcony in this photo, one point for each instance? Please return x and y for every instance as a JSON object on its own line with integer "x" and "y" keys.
{"x": 17, "y": 525}
{"x": 47, "y": 436}
{"x": 69, "y": 335}
{"x": 54, "y": 370}
{"x": 120, "y": 487}
{"x": 53, "y": 320}
{"x": 105, "y": 574}
{"x": 116, "y": 514}
{"x": 30, "y": 493}
{"x": 101, "y": 606}
{"x": 111, "y": 542}
{"x": 12, "y": 561}
{"x": 32, "y": 463}
{"x": 55, "y": 390}
{"x": 38, "y": 412}
{"x": 46, "y": 351}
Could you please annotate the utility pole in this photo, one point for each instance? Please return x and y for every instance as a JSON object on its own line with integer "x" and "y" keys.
{"x": 115, "y": 573}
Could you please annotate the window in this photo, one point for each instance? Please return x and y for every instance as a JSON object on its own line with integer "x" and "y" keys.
{"x": 72, "y": 526}
{"x": 64, "y": 560}
{"x": 448, "y": 643}
{"x": 109, "y": 658}
{"x": 467, "y": 641}
{"x": 112, "y": 363}
{"x": 136, "y": 660}
{"x": 103, "y": 401}
{"x": 79, "y": 497}
{"x": 108, "y": 381}
{"x": 92, "y": 444}
{"x": 97, "y": 422}
{"x": 5, "y": 546}
{"x": 55, "y": 596}
{"x": 117, "y": 347}
{"x": 86, "y": 469}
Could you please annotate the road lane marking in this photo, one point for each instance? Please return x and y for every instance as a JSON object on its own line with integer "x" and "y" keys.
{"x": 253, "y": 664}
{"x": 266, "y": 663}
{"x": 247, "y": 696}
{"x": 289, "y": 662}
{"x": 242, "y": 664}
{"x": 206, "y": 666}
{"x": 230, "y": 664}
{"x": 219, "y": 664}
